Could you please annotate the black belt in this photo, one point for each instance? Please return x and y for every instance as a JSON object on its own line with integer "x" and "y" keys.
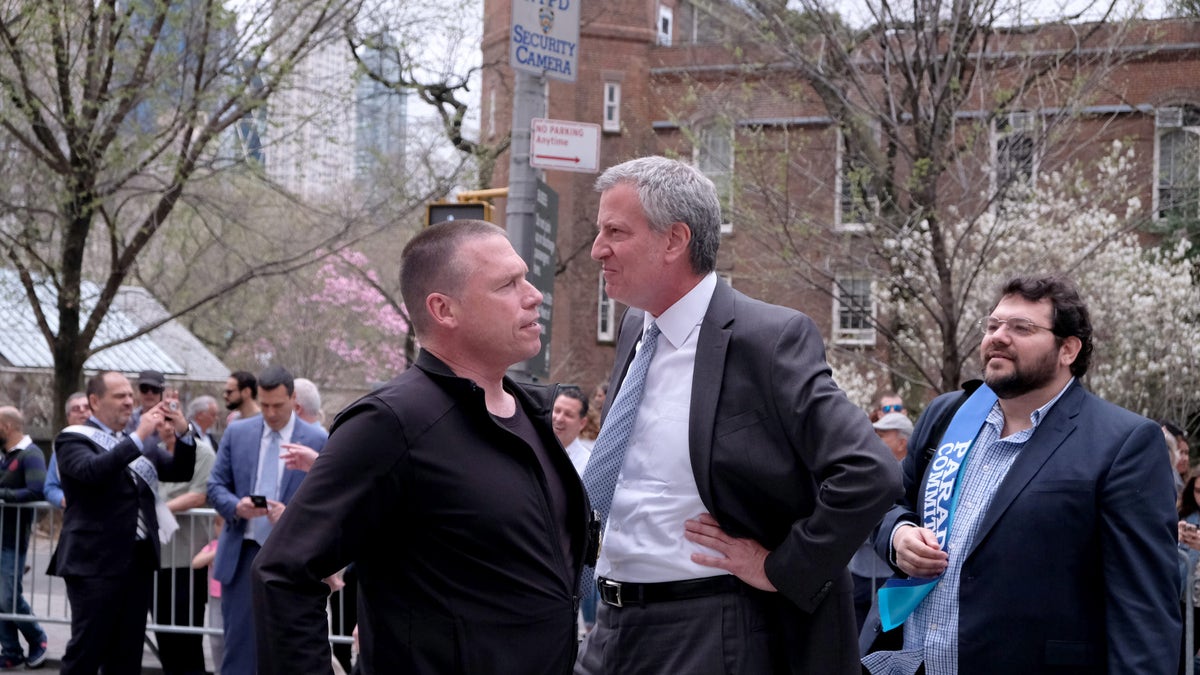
{"x": 620, "y": 594}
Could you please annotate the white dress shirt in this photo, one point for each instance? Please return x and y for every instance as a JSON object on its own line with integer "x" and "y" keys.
{"x": 656, "y": 490}
{"x": 579, "y": 454}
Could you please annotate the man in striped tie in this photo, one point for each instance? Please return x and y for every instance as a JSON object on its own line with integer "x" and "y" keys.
{"x": 110, "y": 541}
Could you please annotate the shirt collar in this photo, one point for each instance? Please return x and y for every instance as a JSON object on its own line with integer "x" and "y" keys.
{"x": 677, "y": 322}
{"x": 1036, "y": 416}
{"x": 102, "y": 425}
{"x": 286, "y": 432}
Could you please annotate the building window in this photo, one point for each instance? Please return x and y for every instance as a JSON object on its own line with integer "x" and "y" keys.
{"x": 1015, "y": 166}
{"x": 713, "y": 155}
{"x": 666, "y": 17}
{"x": 857, "y": 203}
{"x": 853, "y": 312}
{"x": 1177, "y": 193}
{"x": 606, "y": 314}
{"x": 612, "y": 106}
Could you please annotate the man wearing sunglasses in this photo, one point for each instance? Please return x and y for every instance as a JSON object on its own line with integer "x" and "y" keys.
{"x": 887, "y": 402}
{"x": 150, "y": 384}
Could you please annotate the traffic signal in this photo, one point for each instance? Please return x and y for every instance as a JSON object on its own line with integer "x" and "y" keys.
{"x": 440, "y": 212}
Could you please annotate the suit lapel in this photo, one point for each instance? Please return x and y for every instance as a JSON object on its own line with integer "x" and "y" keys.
{"x": 255, "y": 451}
{"x": 1050, "y": 435}
{"x": 707, "y": 375}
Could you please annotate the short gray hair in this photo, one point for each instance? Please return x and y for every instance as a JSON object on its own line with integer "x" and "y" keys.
{"x": 200, "y": 404}
{"x": 671, "y": 191}
{"x": 308, "y": 396}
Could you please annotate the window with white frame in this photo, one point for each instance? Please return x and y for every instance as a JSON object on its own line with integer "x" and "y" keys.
{"x": 612, "y": 107}
{"x": 1177, "y": 183}
{"x": 666, "y": 20}
{"x": 857, "y": 203}
{"x": 1015, "y": 153}
{"x": 606, "y": 314}
{"x": 713, "y": 155}
{"x": 853, "y": 312}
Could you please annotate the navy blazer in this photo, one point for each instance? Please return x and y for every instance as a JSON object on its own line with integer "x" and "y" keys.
{"x": 1074, "y": 567}
{"x": 780, "y": 455}
{"x": 100, "y": 520}
{"x": 234, "y": 474}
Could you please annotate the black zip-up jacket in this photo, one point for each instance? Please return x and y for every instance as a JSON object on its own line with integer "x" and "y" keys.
{"x": 445, "y": 515}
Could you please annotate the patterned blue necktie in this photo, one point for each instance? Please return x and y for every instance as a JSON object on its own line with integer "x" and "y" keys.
{"x": 268, "y": 485}
{"x": 600, "y": 476}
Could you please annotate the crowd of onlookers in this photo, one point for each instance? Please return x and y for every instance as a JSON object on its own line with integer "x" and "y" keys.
{"x": 187, "y": 593}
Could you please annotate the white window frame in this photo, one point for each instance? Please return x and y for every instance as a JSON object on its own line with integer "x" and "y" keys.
{"x": 1169, "y": 121}
{"x": 719, "y": 171}
{"x": 666, "y": 25}
{"x": 839, "y": 206}
{"x": 606, "y": 314}
{"x": 853, "y": 336}
{"x": 612, "y": 107}
{"x": 1016, "y": 125}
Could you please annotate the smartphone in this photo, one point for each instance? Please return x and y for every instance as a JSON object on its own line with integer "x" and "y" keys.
{"x": 259, "y": 501}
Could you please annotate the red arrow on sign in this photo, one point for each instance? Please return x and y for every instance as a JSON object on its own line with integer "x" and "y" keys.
{"x": 560, "y": 159}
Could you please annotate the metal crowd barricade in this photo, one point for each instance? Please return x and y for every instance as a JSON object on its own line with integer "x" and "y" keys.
{"x": 1189, "y": 616}
{"x": 47, "y": 595}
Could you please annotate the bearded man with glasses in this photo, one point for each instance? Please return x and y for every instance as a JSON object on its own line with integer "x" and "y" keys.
{"x": 1040, "y": 539}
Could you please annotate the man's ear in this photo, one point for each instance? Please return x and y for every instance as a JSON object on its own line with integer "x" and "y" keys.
{"x": 679, "y": 239}
{"x": 1069, "y": 350}
{"x": 443, "y": 309}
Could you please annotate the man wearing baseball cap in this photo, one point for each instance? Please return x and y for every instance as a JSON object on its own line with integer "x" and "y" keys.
{"x": 150, "y": 385}
{"x": 893, "y": 429}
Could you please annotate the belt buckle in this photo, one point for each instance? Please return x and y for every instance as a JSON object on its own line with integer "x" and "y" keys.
{"x": 615, "y": 587}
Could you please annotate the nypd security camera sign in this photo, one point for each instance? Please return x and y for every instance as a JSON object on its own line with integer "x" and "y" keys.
{"x": 545, "y": 38}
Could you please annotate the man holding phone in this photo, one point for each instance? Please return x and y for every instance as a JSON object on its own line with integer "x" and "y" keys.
{"x": 113, "y": 523}
{"x": 250, "y": 486}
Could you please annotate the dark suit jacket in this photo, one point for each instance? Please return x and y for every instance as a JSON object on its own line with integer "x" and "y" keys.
{"x": 1074, "y": 567}
{"x": 103, "y": 500}
{"x": 781, "y": 455}
{"x": 445, "y": 515}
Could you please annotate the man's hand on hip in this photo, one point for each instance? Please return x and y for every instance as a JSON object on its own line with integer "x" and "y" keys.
{"x": 744, "y": 558}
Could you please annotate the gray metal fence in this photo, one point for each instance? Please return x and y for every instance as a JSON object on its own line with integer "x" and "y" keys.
{"x": 47, "y": 595}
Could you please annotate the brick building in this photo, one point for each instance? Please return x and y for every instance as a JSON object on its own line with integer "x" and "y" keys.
{"x": 666, "y": 77}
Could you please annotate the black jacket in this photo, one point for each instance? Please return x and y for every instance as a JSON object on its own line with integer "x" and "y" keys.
{"x": 445, "y": 515}
{"x": 103, "y": 500}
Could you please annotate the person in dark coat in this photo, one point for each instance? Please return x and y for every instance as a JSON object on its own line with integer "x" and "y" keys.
{"x": 446, "y": 488}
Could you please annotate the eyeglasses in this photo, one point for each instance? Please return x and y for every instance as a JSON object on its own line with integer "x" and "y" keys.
{"x": 1017, "y": 326}
{"x": 147, "y": 388}
{"x": 892, "y": 408}
{"x": 79, "y": 408}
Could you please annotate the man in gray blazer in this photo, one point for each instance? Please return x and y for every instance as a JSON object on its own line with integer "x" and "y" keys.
{"x": 737, "y": 479}
{"x": 248, "y": 468}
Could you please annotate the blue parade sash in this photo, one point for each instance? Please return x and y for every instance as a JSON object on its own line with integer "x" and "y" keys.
{"x": 899, "y": 597}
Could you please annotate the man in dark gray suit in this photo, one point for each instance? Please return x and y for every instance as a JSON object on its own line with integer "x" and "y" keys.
{"x": 749, "y": 478}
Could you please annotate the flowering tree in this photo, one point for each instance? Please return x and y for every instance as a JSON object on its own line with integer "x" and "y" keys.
{"x": 342, "y": 326}
{"x": 1142, "y": 299}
